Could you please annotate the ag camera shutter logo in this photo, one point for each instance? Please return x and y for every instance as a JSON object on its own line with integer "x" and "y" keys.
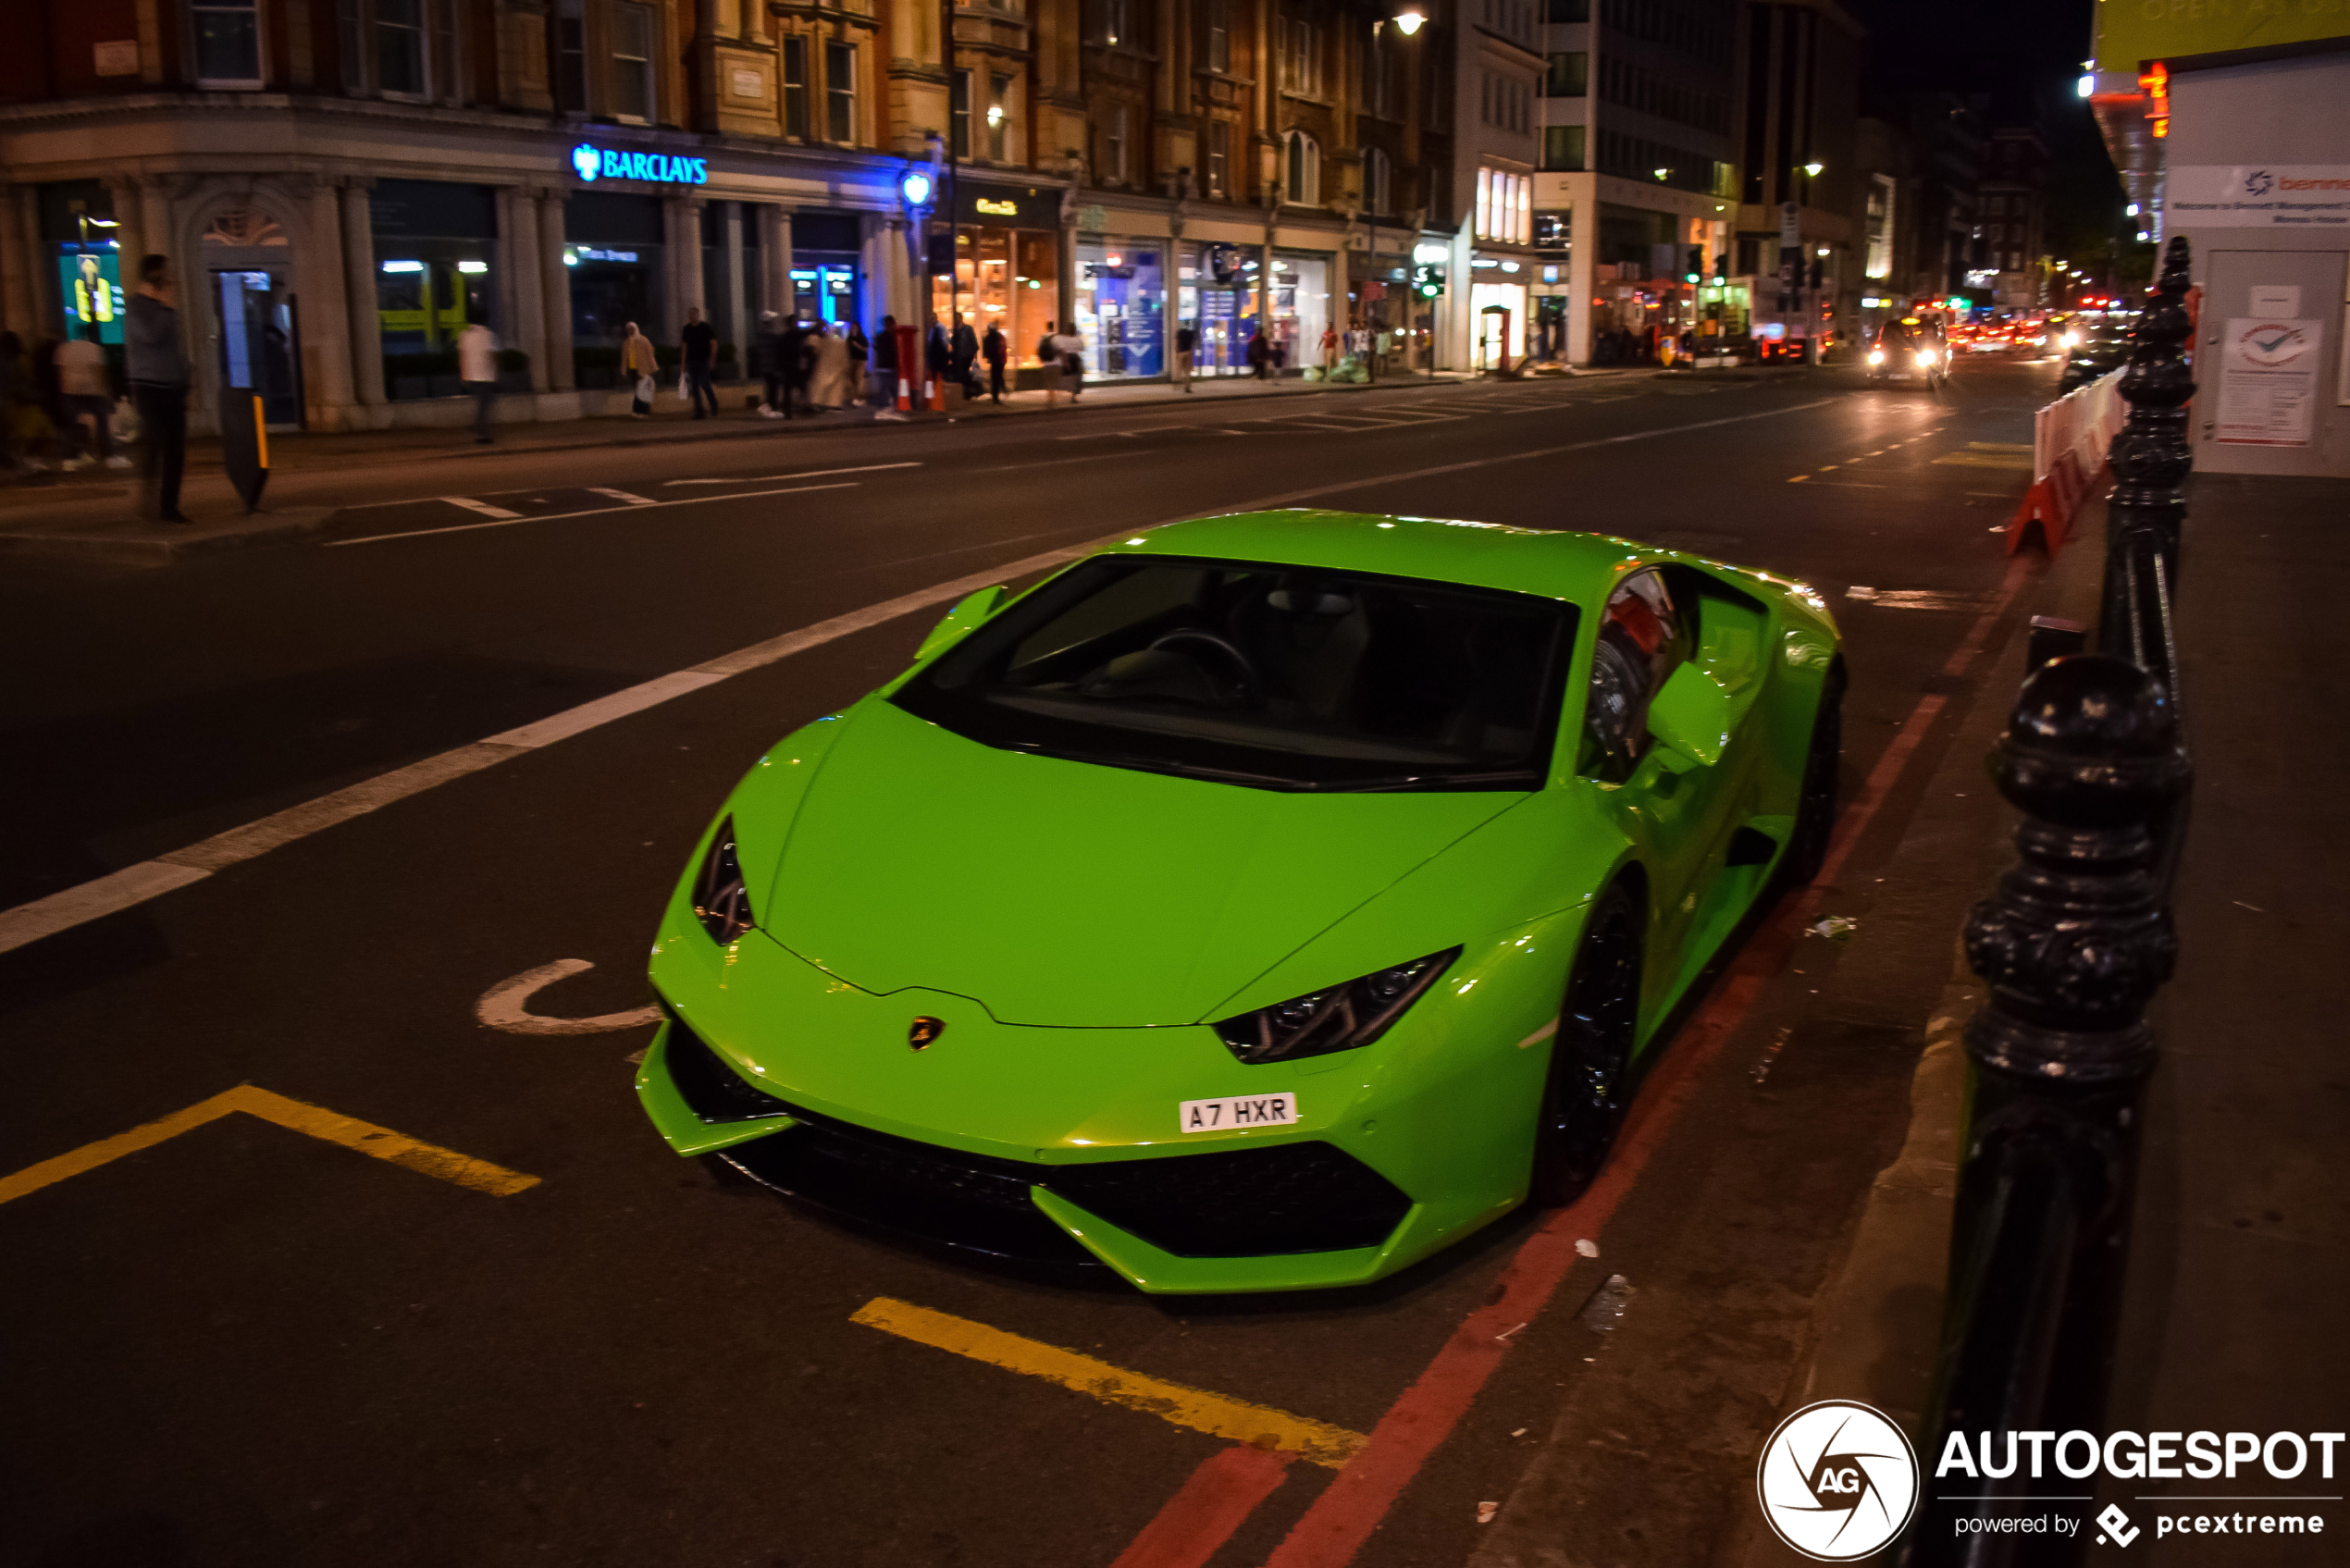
{"x": 1837, "y": 1480}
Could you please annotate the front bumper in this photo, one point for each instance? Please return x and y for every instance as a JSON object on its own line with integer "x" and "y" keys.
{"x": 1061, "y": 1144}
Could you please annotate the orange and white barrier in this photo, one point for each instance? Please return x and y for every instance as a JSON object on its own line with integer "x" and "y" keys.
{"x": 2069, "y": 442}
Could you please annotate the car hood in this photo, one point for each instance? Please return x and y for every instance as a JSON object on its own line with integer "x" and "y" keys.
{"x": 1069, "y": 893}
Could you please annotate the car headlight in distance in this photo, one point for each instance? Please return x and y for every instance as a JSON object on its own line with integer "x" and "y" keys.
{"x": 1877, "y": 356}
{"x": 1925, "y": 356}
{"x": 721, "y": 901}
{"x": 1340, "y": 1019}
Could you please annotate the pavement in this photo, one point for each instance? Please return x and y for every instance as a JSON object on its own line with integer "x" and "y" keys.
{"x": 314, "y": 812}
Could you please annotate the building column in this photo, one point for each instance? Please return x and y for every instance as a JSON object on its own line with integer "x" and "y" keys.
{"x": 359, "y": 306}
{"x": 522, "y": 313}
{"x": 1582, "y": 272}
{"x": 886, "y": 265}
{"x": 554, "y": 294}
{"x": 683, "y": 275}
{"x": 740, "y": 286}
{"x": 325, "y": 296}
{"x": 775, "y": 259}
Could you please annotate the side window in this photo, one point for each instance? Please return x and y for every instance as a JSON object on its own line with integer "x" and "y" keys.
{"x": 1642, "y": 636}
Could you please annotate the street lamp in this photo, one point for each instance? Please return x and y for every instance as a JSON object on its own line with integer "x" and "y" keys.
{"x": 1408, "y": 23}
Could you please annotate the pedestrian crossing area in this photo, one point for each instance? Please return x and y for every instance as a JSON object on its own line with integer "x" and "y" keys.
{"x": 1357, "y": 413}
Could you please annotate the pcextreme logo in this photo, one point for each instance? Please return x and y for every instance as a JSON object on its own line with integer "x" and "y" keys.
{"x": 1837, "y": 1480}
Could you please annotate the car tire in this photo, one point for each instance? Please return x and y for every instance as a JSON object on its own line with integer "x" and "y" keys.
{"x": 1587, "y": 1089}
{"x": 1807, "y": 848}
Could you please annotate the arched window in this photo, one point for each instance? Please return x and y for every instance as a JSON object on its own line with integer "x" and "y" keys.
{"x": 1304, "y": 169}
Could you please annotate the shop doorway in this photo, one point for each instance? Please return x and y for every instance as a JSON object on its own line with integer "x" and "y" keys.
{"x": 259, "y": 333}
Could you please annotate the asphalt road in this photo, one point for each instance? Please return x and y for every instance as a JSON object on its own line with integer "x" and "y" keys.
{"x": 246, "y": 1345}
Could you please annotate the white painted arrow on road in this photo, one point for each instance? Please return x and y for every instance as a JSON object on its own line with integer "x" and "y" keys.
{"x": 501, "y": 1006}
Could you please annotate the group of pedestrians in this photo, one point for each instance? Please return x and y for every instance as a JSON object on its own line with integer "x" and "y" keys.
{"x": 56, "y": 396}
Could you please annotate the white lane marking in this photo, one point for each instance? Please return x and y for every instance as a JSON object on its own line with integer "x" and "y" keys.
{"x": 602, "y": 710}
{"x": 1540, "y": 1035}
{"x": 481, "y": 506}
{"x": 501, "y": 1006}
{"x": 1064, "y": 462}
{"x": 591, "y": 512}
{"x": 136, "y": 885}
{"x": 622, "y": 495}
{"x": 91, "y": 900}
{"x": 811, "y": 474}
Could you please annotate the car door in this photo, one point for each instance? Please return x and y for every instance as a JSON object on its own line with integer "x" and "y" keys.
{"x": 1673, "y": 809}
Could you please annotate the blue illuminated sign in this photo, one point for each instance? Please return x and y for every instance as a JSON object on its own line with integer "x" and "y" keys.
{"x": 592, "y": 162}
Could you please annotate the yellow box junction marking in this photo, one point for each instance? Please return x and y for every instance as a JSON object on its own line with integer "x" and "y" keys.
{"x": 1255, "y": 1425}
{"x": 367, "y": 1137}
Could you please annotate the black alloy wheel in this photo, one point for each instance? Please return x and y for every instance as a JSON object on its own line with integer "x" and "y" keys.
{"x": 1583, "y": 1099}
{"x": 1807, "y": 848}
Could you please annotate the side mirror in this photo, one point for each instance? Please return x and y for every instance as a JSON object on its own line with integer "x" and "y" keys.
{"x": 969, "y": 612}
{"x": 1692, "y": 715}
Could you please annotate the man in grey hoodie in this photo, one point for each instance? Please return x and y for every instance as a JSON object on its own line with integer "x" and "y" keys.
{"x": 158, "y": 373}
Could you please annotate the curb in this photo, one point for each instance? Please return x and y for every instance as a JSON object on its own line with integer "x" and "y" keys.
{"x": 134, "y": 544}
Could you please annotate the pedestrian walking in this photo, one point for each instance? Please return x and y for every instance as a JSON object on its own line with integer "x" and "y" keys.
{"x": 886, "y": 369}
{"x": 765, "y": 362}
{"x": 158, "y": 368}
{"x": 792, "y": 351}
{"x": 1072, "y": 353}
{"x": 938, "y": 360}
{"x": 1260, "y": 354}
{"x": 962, "y": 353}
{"x": 828, "y": 370}
{"x": 1186, "y": 345}
{"x": 1330, "y": 350}
{"x": 83, "y": 390}
{"x": 1048, "y": 354}
{"x": 993, "y": 348}
{"x": 639, "y": 365}
{"x": 698, "y": 350}
{"x": 860, "y": 354}
{"x": 477, "y": 372}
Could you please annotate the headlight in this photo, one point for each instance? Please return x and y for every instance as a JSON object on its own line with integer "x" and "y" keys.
{"x": 721, "y": 901}
{"x": 1877, "y": 356}
{"x": 1925, "y": 356}
{"x": 1340, "y": 1019}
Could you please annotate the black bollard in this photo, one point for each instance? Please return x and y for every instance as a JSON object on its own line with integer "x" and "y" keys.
{"x": 2072, "y": 945}
{"x": 2150, "y": 458}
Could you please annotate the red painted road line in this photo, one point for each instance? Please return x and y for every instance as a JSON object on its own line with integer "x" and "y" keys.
{"x": 1334, "y": 1529}
{"x": 1220, "y": 1494}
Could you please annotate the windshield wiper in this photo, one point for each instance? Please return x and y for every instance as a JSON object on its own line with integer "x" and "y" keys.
{"x": 1399, "y": 781}
{"x": 1163, "y": 765}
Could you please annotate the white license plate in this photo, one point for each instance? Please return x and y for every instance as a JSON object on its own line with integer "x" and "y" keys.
{"x": 1228, "y": 1116}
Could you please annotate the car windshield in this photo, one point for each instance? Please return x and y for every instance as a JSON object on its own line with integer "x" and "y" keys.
{"x": 1278, "y": 677}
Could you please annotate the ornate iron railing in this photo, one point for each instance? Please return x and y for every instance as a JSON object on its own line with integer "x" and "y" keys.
{"x": 2071, "y": 946}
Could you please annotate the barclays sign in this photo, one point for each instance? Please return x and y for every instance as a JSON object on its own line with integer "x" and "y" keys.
{"x": 592, "y": 162}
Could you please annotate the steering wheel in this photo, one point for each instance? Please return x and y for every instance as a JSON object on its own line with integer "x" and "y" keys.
{"x": 1249, "y": 680}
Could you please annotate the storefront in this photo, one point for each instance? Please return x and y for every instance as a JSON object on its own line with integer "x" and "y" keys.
{"x": 435, "y": 245}
{"x": 1006, "y": 266}
{"x": 1301, "y": 308}
{"x": 827, "y": 267}
{"x": 1498, "y": 300}
{"x": 1215, "y": 296}
{"x": 1122, "y": 307}
{"x": 612, "y": 257}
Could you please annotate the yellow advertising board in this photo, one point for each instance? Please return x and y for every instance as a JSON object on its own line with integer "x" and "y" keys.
{"x": 2130, "y": 33}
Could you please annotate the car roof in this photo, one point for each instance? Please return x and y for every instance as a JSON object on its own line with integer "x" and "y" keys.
{"x": 1556, "y": 565}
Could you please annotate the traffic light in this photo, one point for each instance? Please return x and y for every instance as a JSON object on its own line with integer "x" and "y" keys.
{"x": 1819, "y": 272}
{"x": 1428, "y": 280}
{"x": 1696, "y": 268}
